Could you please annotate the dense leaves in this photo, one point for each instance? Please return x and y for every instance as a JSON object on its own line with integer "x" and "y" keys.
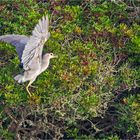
{"x": 81, "y": 94}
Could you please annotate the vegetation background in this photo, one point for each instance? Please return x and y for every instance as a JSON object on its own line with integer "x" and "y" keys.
{"x": 92, "y": 90}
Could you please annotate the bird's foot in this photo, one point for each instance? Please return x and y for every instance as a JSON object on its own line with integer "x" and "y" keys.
{"x": 34, "y": 99}
{"x": 33, "y": 86}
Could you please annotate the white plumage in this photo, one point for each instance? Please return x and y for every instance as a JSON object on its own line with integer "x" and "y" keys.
{"x": 30, "y": 49}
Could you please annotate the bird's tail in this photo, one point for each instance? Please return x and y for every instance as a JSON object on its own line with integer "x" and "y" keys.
{"x": 19, "y": 78}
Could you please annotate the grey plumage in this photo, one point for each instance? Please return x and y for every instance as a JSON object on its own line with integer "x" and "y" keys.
{"x": 29, "y": 51}
{"x": 19, "y": 41}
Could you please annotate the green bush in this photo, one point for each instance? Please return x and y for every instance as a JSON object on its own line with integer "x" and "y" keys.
{"x": 98, "y": 48}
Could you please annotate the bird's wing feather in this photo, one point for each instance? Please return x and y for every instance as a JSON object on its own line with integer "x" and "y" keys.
{"x": 33, "y": 49}
{"x": 19, "y": 41}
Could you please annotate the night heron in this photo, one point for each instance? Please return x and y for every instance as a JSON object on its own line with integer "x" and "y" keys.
{"x": 29, "y": 51}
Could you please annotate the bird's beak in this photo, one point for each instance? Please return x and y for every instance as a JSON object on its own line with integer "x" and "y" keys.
{"x": 54, "y": 56}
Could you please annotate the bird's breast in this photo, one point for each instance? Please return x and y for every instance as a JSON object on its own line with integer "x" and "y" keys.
{"x": 44, "y": 65}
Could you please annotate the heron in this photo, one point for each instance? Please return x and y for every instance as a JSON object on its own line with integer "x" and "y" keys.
{"x": 29, "y": 50}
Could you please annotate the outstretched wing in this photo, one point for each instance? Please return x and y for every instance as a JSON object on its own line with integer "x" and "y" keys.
{"x": 32, "y": 54}
{"x": 19, "y": 41}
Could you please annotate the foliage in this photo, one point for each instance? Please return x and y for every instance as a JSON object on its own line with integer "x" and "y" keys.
{"x": 98, "y": 44}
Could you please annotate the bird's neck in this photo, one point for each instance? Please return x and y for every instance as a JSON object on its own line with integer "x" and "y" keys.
{"x": 45, "y": 64}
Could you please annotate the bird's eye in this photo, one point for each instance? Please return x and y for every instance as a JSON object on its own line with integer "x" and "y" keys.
{"x": 51, "y": 54}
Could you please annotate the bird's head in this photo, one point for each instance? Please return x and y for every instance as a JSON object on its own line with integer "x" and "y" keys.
{"x": 50, "y": 55}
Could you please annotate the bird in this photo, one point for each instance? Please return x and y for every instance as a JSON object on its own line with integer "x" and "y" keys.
{"x": 29, "y": 50}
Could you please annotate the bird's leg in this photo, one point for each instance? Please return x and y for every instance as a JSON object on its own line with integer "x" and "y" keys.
{"x": 29, "y": 84}
{"x": 27, "y": 88}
